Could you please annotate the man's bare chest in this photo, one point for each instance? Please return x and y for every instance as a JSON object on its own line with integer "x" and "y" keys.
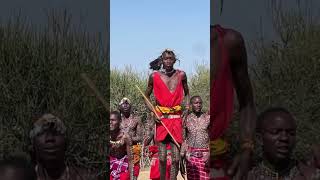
{"x": 170, "y": 82}
{"x": 197, "y": 124}
{"x": 128, "y": 124}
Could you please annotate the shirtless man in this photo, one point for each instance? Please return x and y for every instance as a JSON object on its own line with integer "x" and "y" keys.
{"x": 196, "y": 145}
{"x": 169, "y": 87}
{"x": 132, "y": 125}
{"x": 121, "y": 166}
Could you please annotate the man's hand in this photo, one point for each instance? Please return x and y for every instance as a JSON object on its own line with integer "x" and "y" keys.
{"x": 147, "y": 141}
{"x": 240, "y": 166}
{"x": 182, "y": 167}
{"x": 155, "y": 118}
{"x": 185, "y": 113}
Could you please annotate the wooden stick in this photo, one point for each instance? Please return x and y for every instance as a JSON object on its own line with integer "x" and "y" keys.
{"x": 154, "y": 111}
{"x": 95, "y": 90}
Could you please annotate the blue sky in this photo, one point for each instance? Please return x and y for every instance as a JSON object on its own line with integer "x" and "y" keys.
{"x": 140, "y": 30}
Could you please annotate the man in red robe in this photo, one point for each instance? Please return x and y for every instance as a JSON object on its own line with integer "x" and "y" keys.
{"x": 169, "y": 86}
{"x": 229, "y": 70}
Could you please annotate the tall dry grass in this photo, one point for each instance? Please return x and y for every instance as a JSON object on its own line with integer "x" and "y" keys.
{"x": 40, "y": 71}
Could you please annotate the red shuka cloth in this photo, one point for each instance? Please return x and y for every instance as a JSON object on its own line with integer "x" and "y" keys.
{"x": 154, "y": 169}
{"x": 168, "y": 99}
{"x": 221, "y": 91}
{"x": 119, "y": 169}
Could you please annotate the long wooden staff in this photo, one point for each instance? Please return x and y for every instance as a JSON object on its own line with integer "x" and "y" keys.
{"x": 95, "y": 90}
{"x": 154, "y": 111}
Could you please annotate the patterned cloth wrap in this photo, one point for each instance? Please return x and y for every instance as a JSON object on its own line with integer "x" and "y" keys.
{"x": 118, "y": 166}
{"x": 136, "y": 151}
{"x": 196, "y": 167}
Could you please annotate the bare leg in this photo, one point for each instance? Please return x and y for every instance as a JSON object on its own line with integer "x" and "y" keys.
{"x": 175, "y": 161}
{"x": 162, "y": 159}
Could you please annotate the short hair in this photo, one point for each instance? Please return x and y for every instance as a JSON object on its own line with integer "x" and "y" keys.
{"x": 263, "y": 115}
{"x": 21, "y": 163}
{"x": 117, "y": 114}
{"x": 194, "y": 97}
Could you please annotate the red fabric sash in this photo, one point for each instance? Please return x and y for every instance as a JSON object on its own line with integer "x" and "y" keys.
{"x": 221, "y": 99}
{"x": 168, "y": 99}
{"x": 163, "y": 94}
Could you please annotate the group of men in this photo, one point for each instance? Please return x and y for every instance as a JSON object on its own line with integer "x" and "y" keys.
{"x": 125, "y": 142}
{"x": 187, "y": 137}
{"x": 176, "y": 134}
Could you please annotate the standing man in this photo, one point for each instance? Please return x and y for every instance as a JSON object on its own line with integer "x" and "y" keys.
{"x": 169, "y": 86}
{"x": 132, "y": 125}
{"x": 195, "y": 147}
{"x": 229, "y": 71}
{"x": 120, "y": 153}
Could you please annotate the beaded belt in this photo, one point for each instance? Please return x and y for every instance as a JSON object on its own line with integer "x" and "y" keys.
{"x": 197, "y": 152}
{"x": 170, "y": 116}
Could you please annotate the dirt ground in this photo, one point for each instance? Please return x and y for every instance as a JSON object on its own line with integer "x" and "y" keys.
{"x": 144, "y": 175}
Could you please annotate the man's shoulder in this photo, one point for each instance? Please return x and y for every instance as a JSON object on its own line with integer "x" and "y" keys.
{"x": 206, "y": 116}
{"x": 181, "y": 73}
{"x": 233, "y": 38}
{"x": 153, "y": 73}
{"x": 230, "y": 34}
{"x": 254, "y": 173}
{"x": 136, "y": 118}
